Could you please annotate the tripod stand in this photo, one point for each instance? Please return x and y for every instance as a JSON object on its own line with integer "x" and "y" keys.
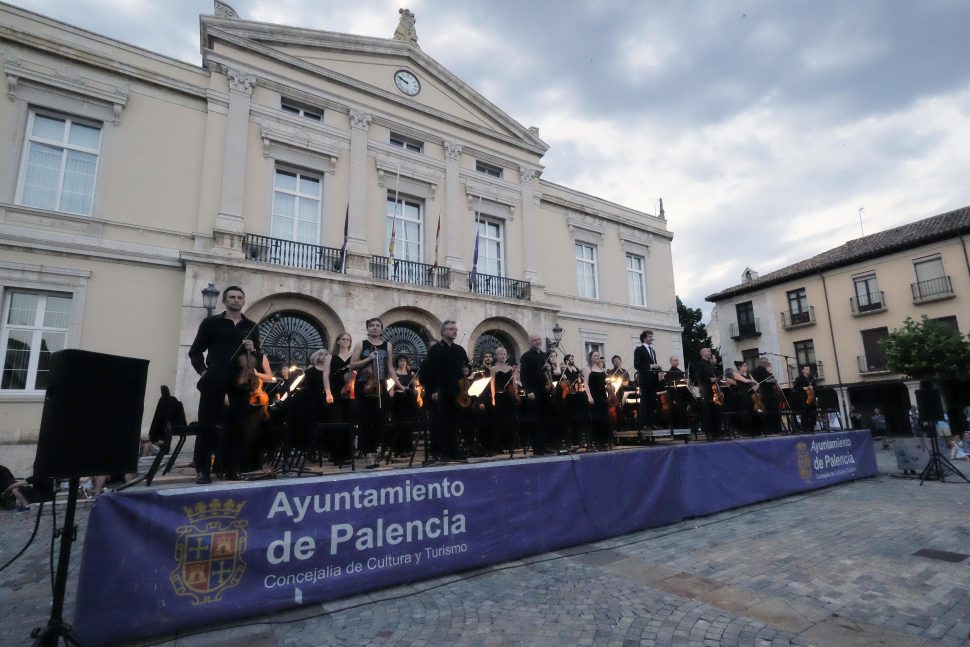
{"x": 938, "y": 466}
{"x": 56, "y": 628}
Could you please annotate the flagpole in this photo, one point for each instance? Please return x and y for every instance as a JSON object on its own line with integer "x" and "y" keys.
{"x": 397, "y": 184}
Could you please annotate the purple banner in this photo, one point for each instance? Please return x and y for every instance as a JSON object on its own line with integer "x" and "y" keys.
{"x": 176, "y": 559}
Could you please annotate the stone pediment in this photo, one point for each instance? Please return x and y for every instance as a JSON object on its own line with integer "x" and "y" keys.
{"x": 367, "y": 64}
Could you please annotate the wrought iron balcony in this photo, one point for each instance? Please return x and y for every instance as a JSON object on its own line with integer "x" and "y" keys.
{"x": 394, "y": 269}
{"x": 939, "y": 288}
{"x": 818, "y": 371}
{"x": 500, "y": 286}
{"x": 798, "y": 319}
{"x": 868, "y": 303}
{"x": 869, "y": 365}
{"x": 291, "y": 253}
{"x": 745, "y": 330}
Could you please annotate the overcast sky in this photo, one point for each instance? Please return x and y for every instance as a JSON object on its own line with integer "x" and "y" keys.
{"x": 765, "y": 125}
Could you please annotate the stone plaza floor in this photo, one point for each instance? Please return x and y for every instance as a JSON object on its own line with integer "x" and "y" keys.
{"x": 836, "y": 566}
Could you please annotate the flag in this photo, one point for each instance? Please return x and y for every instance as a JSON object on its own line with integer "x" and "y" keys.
{"x": 343, "y": 248}
{"x": 437, "y": 238}
{"x": 473, "y": 277}
{"x": 390, "y": 245}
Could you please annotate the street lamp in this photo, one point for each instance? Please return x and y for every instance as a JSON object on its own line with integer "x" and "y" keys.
{"x": 557, "y": 332}
{"x": 210, "y": 295}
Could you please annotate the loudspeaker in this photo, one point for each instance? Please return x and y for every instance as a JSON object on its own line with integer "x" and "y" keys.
{"x": 91, "y": 424}
{"x": 929, "y": 404}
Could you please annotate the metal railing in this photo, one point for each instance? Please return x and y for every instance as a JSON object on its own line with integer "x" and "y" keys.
{"x": 291, "y": 253}
{"x": 932, "y": 289}
{"x": 500, "y": 286}
{"x": 742, "y": 331}
{"x": 872, "y": 364}
{"x": 795, "y": 319}
{"x": 393, "y": 269}
{"x": 868, "y": 302}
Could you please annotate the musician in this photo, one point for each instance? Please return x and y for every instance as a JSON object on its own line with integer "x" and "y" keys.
{"x": 404, "y": 406}
{"x": 504, "y": 398}
{"x": 536, "y": 396}
{"x": 440, "y": 374}
{"x": 488, "y": 361}
{"x": 770, "y": 393}
{"x": 307, "y": 403}
{"x": 645, "y": 363}
{"x": 214, "y": 353}
{"x": 372, "y": 359}
{"x": 743, "y": 399}
{"x": 678, "y": 397}
{"x": 595, "y": 379}
{"x": 571, "y": 388}
{"x": 673, "y": 374}
{"x": 706, "y": 378}
{"x": 803, "y": 390}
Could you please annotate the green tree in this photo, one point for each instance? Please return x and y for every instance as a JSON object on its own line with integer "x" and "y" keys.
{"x": 695, "y": 335}
{"x": 928, "y": 350}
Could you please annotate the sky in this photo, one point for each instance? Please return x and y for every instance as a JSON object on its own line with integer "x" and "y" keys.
{"x": 765, "y": 125}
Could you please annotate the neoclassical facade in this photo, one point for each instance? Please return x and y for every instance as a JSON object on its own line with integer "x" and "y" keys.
{"x": 284, "y": 163}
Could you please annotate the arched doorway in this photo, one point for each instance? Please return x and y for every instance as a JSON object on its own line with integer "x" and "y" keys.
{"x": 489, "y": 340}
{"x": 292, "y": 339}
{"x": 409, "y": 339}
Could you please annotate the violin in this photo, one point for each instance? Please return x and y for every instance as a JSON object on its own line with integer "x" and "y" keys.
{"x": 347, "y": 390}
{"x": 717, "y": 395}
{"x": 464, "y": 400}
{"x": 759, "y": 406}
{"x": 809, "y": 395}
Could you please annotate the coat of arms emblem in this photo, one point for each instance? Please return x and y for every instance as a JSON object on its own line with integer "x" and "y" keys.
{"x": 209, "y": 550}
{"x": 804, "y": 462}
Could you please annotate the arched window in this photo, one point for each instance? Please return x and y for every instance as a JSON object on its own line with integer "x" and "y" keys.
{"x": 408, "y": 339}
{"x": 488, "y": 341}
{"x": 291, "y": 340}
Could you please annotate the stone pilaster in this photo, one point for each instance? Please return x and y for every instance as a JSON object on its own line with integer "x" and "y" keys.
{"x": 357, "y": 235}
{"x": 230, "y": 221}
{"x": 453, "y": 210}
{"x": 530, "y": 232}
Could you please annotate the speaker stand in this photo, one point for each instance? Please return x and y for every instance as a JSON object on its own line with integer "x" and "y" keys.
{"x": 56, "y": 628}
{"x": 938, "y": 466}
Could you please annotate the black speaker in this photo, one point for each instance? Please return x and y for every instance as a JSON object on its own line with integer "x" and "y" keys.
{"x": 929, "y": 404}
{"x": 91, "y": 424}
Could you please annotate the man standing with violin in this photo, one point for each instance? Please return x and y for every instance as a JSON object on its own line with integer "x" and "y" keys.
{"x": 711, "y": 399}
{"x": 803, "y": 396}
{"x": 533, "y": 376}
{"x": 224, "y": 339}
{"x": 648, "y": 369}
{"x": 441, "y": 373}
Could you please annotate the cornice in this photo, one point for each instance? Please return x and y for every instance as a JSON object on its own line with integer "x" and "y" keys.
{"x": 71, "y": 80}
{"x": 570, "y": 206}
{"x": 490, "y": 189}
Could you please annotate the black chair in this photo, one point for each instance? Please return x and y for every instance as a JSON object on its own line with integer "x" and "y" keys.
{"x": 183, "y": 432}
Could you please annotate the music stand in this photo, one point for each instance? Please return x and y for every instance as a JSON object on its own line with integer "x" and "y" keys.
{"x": 938, "y": 466}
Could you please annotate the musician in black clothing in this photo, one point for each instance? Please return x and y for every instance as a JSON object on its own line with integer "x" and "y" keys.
{"x": 673, "y": 374}
{"x": 645, "y": 363}
{"x": 803, "y": 390}
{"x": 533, "y": 375}
{"x": 770, "y": 393}
{"x": 705, "y": 378}
{"x": 440, "y": 375}
{"x": 215, "y": 353}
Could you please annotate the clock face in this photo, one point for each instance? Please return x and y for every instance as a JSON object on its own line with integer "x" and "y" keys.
{"x": 407, "y": 82}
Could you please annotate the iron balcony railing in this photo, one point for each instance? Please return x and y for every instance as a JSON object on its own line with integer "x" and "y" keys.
{"x": 796, "y": 319}
{"x": 818, "y": 371}
{"x": 932, "y": 289}
{"x": 500, "y": 286}
{"x": 868, "y": 302}
{"x": 394, "y": 269}
{"x": 872, "y": 364}
{"x": 291, "y": 253}
{"x": 745, "y": 330}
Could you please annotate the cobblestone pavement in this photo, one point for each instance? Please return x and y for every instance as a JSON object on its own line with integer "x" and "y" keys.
{"x": 831, "y": 567}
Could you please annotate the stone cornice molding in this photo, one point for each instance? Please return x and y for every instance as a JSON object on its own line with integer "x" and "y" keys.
{"x": 276, "y": 135}
{"x": 452, "y": 151}
{"x": 635, "y": 241}
{"x": 475, "y": 188}
{"x": 585, "y": 227}
{"x": 569, "y": 206}
{"x": 69, "y": 79}
{"x": 387, "y": 172}
{"x": 360, "y": 120}
{"x": 275, "y": 118}
{"x": 240, "y": 81}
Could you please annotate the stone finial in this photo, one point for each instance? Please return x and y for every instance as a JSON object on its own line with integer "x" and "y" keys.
{"x": 534, "y": 130}
{"x": 223, "y": 10}
{"x": 662, "y": 215}
{"x": 405, "y": 31}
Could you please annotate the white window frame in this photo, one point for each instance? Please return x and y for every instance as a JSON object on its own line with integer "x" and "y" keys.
{"x": 493, "y": 265}
{"x": 590, "y": 346}
{"x": 402, "y": 243}
{"x": 637, "y": 295}
{"x": 36, "y": 329}
{"x": 581, "y": 261}
{"x": 407, "y": 143}
{"x": 299, "y": 198}
{"x": 64, "y": 145}
{"x": 296, "y": 108}
{"x": 490, "y": 170}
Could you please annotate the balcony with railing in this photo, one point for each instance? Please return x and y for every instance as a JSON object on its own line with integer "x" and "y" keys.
{"x": 290, "y": 253}
{"x": 412, "y": 272}
{"x": 745, "y": 330}
{"x": 500, "y": 286}
{"x": 931, "y": 290}
{"x": 818, "y": 371}
{"x": 871, "y": 365}
{"x": 791, "y": 320}
{"x": 868, "y": 303}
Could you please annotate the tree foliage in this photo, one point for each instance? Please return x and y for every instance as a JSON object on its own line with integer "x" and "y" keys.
{"x": 695, "y": 335}
{"x": 928, "y": 350}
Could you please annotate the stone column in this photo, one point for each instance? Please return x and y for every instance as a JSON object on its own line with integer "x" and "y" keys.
{"x": 453, "y": 210}
{"x": 230, "y": 217}
{"x": 529, "y": 216}
{"x": 357, "y": 233}
{"x": 842, "y": 392}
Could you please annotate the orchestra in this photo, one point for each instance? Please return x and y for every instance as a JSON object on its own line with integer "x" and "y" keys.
{"x": 459, "y": 410}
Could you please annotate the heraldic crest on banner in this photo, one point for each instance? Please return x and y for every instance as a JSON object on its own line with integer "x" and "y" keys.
{"x": 804, "y": 462}
{"x": 209, "y": 550}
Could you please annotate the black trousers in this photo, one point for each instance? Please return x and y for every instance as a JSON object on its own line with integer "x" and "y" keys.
{"x": 648, "y": 404}
{"x": 221, "y": 429}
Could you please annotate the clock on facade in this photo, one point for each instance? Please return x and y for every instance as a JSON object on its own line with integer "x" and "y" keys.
{"x": 407, "y": 82}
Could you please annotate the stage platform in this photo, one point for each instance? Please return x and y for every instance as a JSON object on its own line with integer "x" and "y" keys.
{"x": 158, "y": 561}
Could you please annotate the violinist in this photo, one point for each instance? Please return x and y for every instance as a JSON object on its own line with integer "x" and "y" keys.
{"x": 488, "y": 361}
{"x": 536, "y": 397}
{"x": 572, "y": 390}
{"x": 595, "y": 379}
{"x": 505, "y": 399}
{"x": 219, "y": 343}
{"x": 746, "y": 399}
{"x": 372, "y": 359}
{"x": 339, "y": 394}
{"x": 803, "y": 398}
{"x": 770, "y": 394}
{"x": 677, "y": 397}
{"x": 706, "y": 380}
{"x": 440, "y": 375}
{"x": 404, "y": 406}
{"x": 307, "y": 403}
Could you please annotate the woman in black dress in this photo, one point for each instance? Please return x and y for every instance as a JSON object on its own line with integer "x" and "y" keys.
{"x": 404, "y": 406}
{"x": 596, "y": 396}
{"x": 340, "y": 396}
{"x": 504, "y": 396}
{"x": 372, "y": 361}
